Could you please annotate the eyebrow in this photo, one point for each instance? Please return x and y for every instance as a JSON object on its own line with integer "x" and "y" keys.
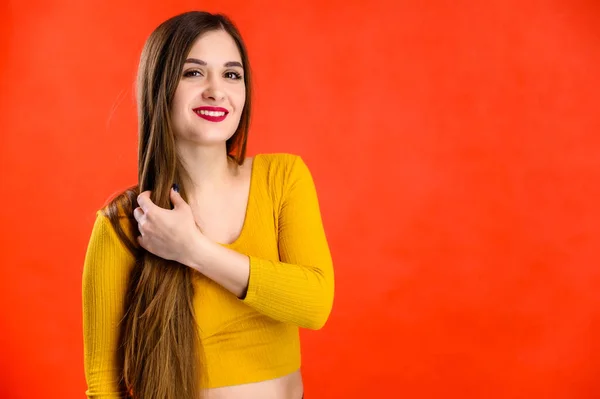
{"x": 228, "y": 64}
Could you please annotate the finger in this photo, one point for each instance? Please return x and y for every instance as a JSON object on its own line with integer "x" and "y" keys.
{"x": 138, "y": 213}
{"x": 176, "y": 198}
{"x": 141, "y": 219}
{"x": 144, "y": 201}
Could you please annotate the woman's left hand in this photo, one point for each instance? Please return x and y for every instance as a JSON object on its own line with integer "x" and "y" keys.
{"x": 169, "y": 234}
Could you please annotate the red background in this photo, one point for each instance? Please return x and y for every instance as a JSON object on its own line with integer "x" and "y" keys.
{"x": 454, "y": 145}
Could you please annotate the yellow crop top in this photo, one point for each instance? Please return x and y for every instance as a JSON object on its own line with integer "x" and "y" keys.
{"x": 243, "y": 340}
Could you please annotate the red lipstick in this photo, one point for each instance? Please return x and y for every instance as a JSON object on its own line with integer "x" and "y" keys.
{"x": 212, "y": 114}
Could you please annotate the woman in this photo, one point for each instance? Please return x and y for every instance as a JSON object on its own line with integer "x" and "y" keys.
{"x": 197, "y": 279}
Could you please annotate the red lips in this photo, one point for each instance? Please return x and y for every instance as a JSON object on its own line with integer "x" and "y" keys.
{"x": 212, "y": 114}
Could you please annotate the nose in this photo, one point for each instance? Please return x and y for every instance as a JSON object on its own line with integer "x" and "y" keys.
{"x": 213, "y": 90}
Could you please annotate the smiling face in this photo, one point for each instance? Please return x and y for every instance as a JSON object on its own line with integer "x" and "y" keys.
{"x": 211, "y": 93}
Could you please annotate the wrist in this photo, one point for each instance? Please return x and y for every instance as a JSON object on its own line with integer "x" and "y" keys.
{"x": 195, "y": 254}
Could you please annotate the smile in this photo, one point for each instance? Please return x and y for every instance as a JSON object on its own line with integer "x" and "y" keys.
{"x": 212, "y": 114}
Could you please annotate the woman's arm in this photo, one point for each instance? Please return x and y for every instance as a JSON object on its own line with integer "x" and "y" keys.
{"x": 298, "y": 289}
{"x": 106, "y": 268}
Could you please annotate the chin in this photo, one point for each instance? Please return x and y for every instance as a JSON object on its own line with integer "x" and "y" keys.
{"x": 205, "y": 134}
{"x": 208, "y": 139}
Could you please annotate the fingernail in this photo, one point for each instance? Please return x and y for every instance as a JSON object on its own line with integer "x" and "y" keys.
{"x": 176, "y": 187}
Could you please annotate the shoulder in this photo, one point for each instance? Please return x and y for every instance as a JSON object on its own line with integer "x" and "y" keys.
{"x": 114, "y": 222}
{"x": 277, "y": 174}
{"x": 281, "y": 167}
{"x": 284, "y": 174}
{"x": 117, "y": 230}
{"x": 105, "y": 243}
{"x": 108, "y": 258}
{"x": 276, "y": 159}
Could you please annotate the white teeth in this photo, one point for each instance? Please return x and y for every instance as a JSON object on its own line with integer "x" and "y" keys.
{"x": 211, "y": 113}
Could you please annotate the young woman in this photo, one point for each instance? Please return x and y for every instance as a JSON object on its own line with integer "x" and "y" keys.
{"x": 197, "y": 279}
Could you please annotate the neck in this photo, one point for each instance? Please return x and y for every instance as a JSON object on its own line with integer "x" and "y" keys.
{"x": 208, "y": 169}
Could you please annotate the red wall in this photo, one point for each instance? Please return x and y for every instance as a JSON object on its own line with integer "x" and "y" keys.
{"x": 454, "y": 145}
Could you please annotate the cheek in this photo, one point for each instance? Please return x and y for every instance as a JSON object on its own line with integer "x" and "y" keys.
{"x": 180, "y": 99}
{"x": 178, "y": 108}
{"x": 240, "y": 100}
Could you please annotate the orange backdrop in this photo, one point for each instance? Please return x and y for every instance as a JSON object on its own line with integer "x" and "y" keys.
{"x": 456, "y": 152}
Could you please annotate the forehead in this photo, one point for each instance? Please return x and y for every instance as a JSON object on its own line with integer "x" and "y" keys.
{"x": 215, "y": 47}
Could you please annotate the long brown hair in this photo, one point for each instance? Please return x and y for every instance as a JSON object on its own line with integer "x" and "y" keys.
{"x": 159, "y": 339}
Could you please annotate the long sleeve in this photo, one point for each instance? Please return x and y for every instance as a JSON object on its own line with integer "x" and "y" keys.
{"x": 106, "y": 269}
{"x": 299, "y": 289}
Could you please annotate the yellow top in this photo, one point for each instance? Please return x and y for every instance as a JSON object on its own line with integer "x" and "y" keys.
{"x": 243, "y": 340}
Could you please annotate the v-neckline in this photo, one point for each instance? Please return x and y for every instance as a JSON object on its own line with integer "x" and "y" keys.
{"x": 249, "y": 204}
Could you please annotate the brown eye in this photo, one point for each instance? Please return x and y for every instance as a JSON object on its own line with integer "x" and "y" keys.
{"x": 192, "y": 73}
{"x": 233, "y": 75}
